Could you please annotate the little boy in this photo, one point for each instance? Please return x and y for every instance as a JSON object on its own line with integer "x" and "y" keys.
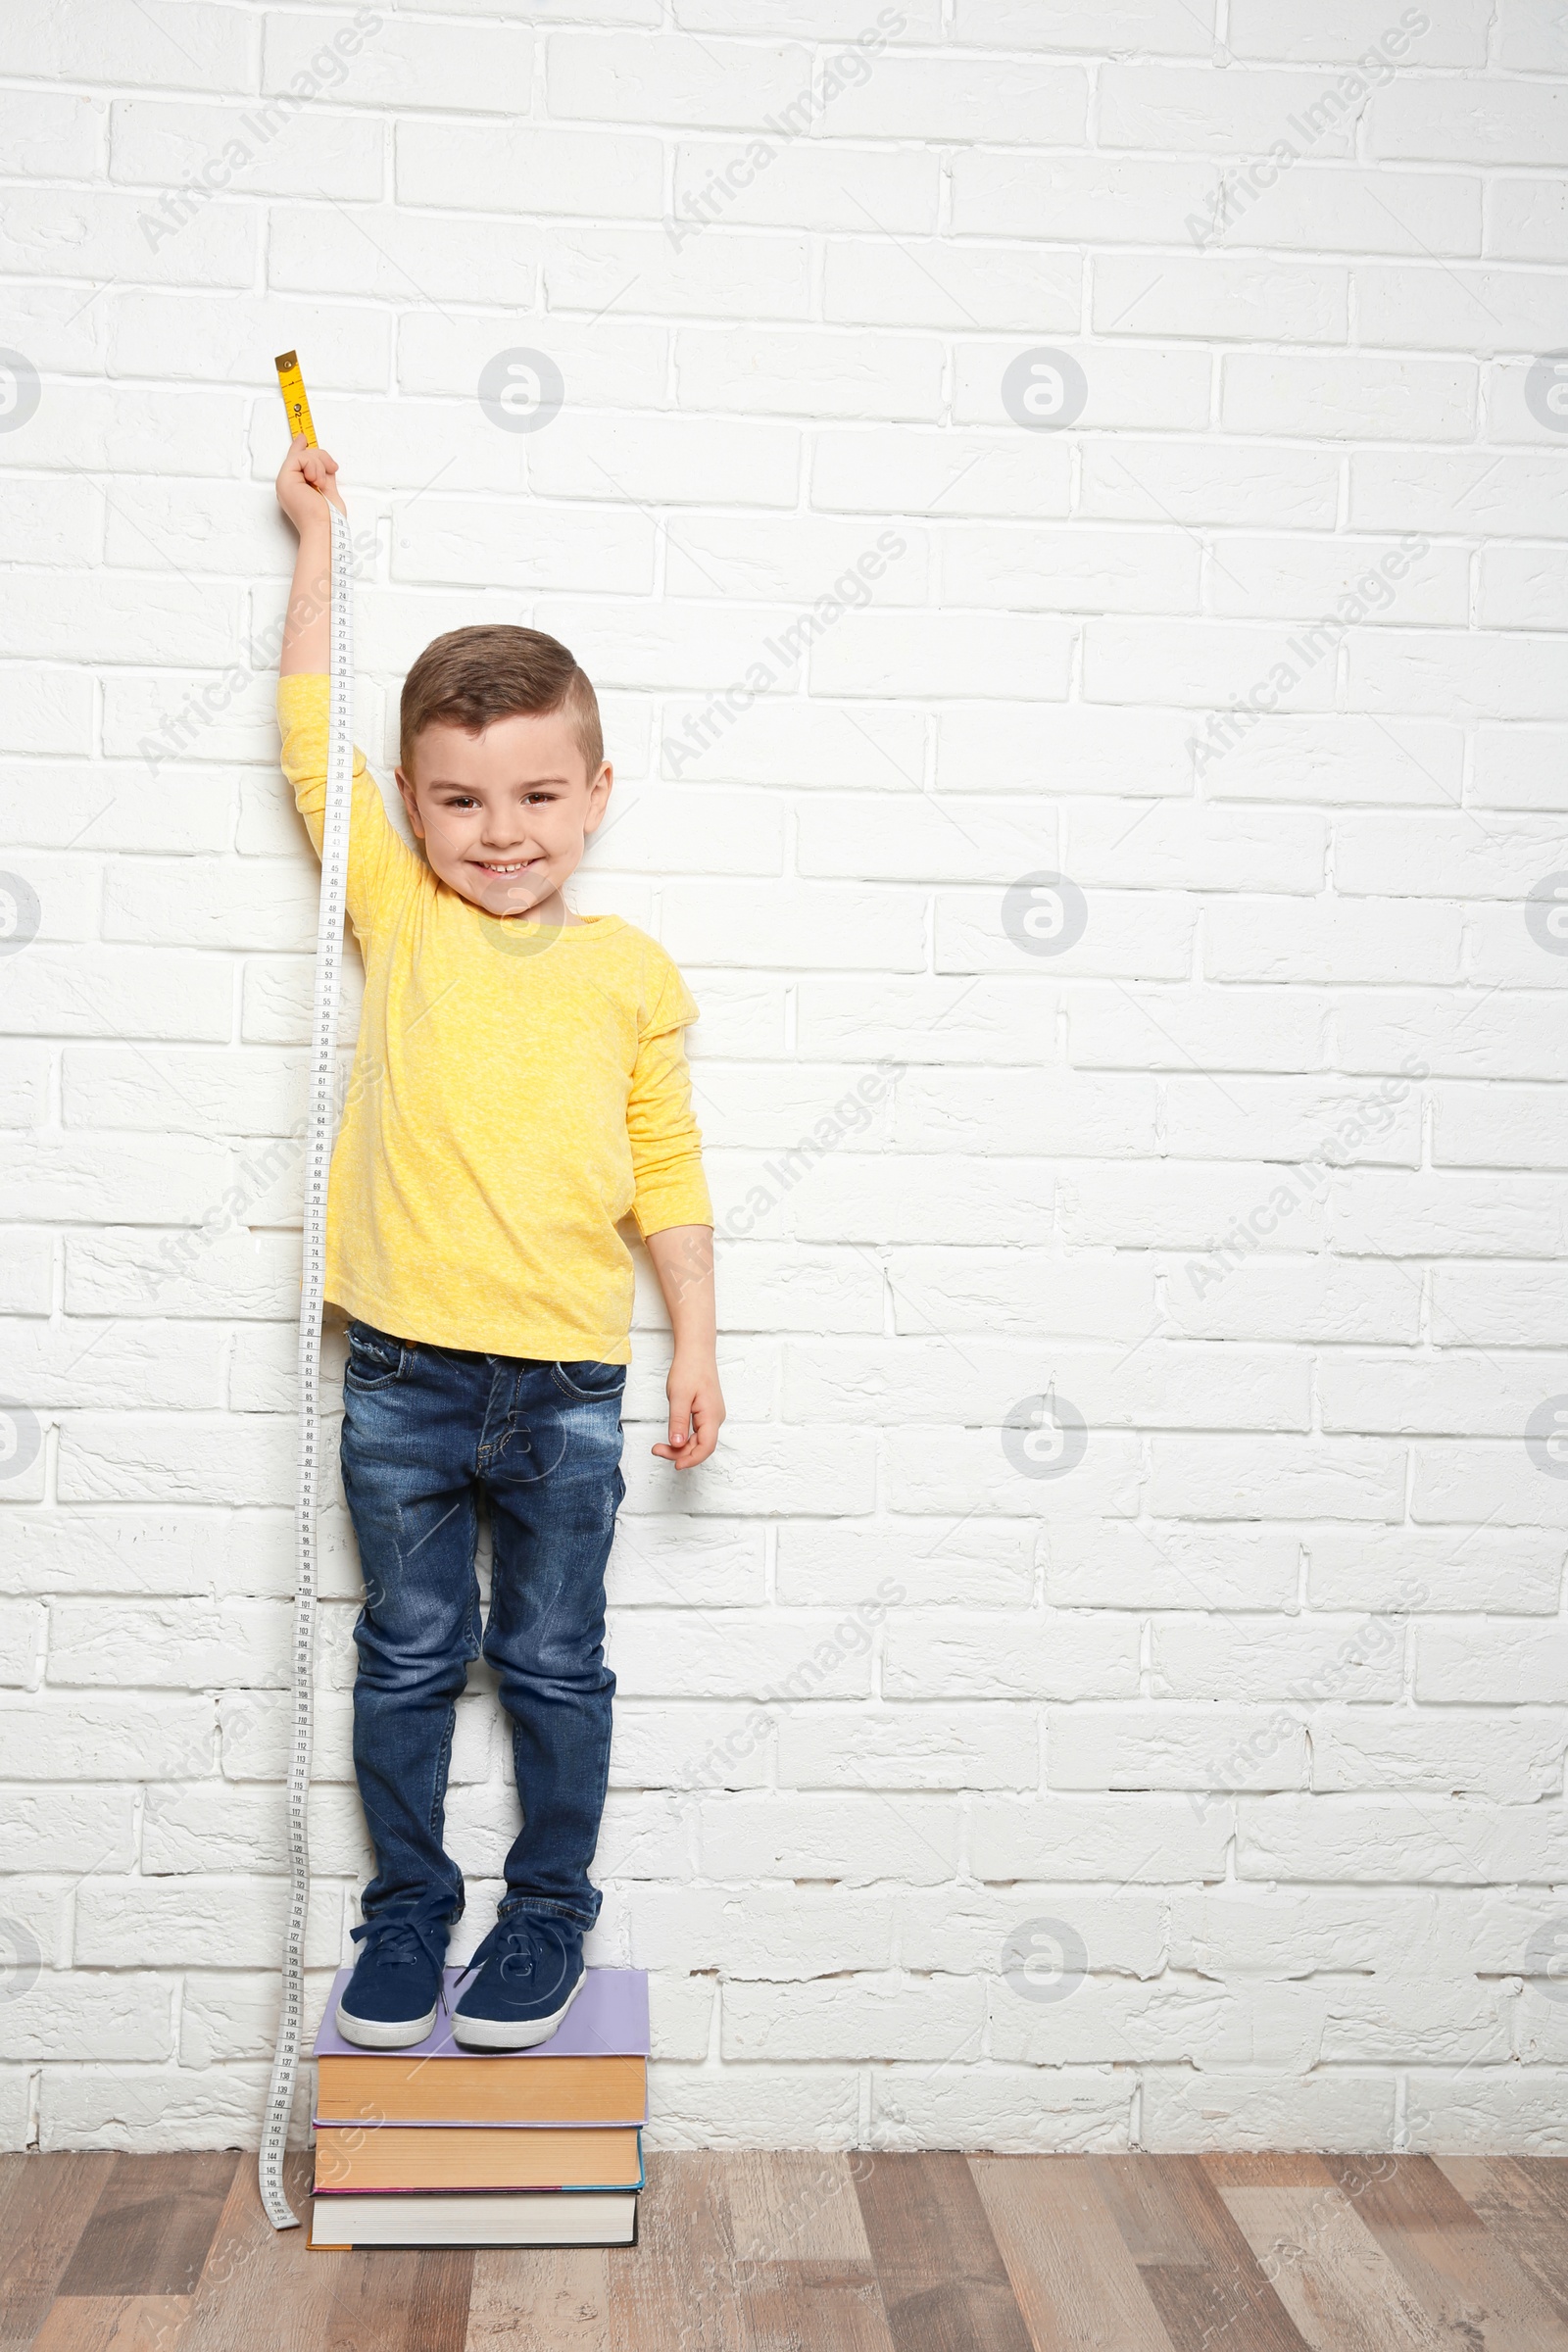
{"x": 520, "y": 1086}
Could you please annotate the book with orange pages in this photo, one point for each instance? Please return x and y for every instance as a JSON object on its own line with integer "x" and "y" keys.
{"x": 351, "y": 2161}
{"x": 592, "y": 2069}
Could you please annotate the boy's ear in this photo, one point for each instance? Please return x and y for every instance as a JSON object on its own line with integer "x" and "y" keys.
{"x": 599, "y": 791}
{"x": 409, "y": 804}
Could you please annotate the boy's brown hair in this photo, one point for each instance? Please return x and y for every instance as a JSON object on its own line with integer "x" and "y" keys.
{"x": 472, "y": 677}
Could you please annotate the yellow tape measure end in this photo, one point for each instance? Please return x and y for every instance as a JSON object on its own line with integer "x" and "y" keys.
{"x": 291, "y": 385}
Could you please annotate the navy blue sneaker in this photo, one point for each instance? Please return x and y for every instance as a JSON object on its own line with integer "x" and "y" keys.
{"x": 531, "y": 1970}
{"x": 391, "y": 2000}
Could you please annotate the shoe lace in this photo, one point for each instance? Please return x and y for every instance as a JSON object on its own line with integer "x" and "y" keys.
{"x": 511, "y": 1942}
{"x": 400, "y": 1941}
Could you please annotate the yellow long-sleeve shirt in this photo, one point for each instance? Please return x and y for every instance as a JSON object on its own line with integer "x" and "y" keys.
{"x": 515, "y": 1091}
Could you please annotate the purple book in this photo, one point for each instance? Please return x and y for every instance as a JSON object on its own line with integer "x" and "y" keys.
{"x": 608, "y": 2019}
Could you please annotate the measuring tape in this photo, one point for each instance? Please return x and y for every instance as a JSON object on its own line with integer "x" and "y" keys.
{"x": 319, "y": 1121}
{"x": 291, "y": 385}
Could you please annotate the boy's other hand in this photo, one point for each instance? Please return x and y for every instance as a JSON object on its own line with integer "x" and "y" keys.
{"x": 695, "y": 1411}
{"x": 305, "y": 480}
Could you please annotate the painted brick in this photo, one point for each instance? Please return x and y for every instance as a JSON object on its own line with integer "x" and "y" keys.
{"x": 1480, "y": 1751}
{"x": 804, "y": 184}
{"x": 1219, "y": 295}
{"x": 1140, "y": 1839}
{"x": 659, "y": 78}
{"x": 986, "y": 1565}
{"x": 1015, "y": 2110}
{"x": 984, "y": 1747}
{"x": 733, "y": 277}
{"x": 1501, "y": 122}
{"x": 396, "y": 63}
{"x": 1017, "y": 100}
{"x": 944, "y": 1652}
{"x": 889, "y": 473}
{"x": 1160, "y": 28}
{"x": 855, "y": 1839}
{"x": 521, "y": 167}
{"x": 255, "y": 152}
{"x": 805, "y": 371}
{"x": 1335, "y": 32}
{"x": 409, "y": 254}
{"x": 127, "y": 1738}
{"x": 1277, "y": 1478}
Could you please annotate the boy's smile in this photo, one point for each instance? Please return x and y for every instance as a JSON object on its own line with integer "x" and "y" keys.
{"x": 504, "y": 814}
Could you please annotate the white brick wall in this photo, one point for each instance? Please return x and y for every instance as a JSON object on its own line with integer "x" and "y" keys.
{"x": 1251, "y": 1720}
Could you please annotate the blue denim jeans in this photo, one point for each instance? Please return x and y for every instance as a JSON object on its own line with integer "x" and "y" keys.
{"x": 429, "y": 1434}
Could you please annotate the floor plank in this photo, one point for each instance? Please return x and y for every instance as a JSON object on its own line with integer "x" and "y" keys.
{"x": 114, "y": 2324}
{"x": 676, "y": 2291}
{"x": 1547, "y": 2177}
{"x": 555, "y": 2300}
{"x": 796, "y": 2205}
{"x": 438, "y": 2306}
{"x": 945, "y": 2286}
{"x": 1201, "y": 2275}
{"x": 1250, "y": 2169}
{"x": 1455, "y": 2268}
{"x": 152, "y": 2228}
{"x": 1335, "y": 2281}
{"x": 1072, "y": 2276}
{"x": 1154, "y": 2222}
{"x": 1526, "y": 2215}
{"x": 13, "y": 2170}
{"x": 48, "y": 2200}
{"x": 804, "y": 2267}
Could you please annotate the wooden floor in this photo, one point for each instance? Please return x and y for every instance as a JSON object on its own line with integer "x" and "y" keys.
{"x": 825, "y": 2253}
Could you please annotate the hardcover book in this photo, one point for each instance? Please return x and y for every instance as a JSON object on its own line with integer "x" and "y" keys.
{"x": 390, "y": 2159}
{"x": 528, "y": 2219}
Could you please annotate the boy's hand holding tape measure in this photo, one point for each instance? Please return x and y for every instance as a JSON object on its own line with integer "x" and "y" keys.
{"x": 306, "y": 477}
{"x": 306, "y": 473}
{"x": 307, "y": 493}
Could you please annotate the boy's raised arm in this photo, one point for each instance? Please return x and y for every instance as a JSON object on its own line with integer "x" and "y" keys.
{"x": 382, "y": 865}
{"x": 305, "y": 487}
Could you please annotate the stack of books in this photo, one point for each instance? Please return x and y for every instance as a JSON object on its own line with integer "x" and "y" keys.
{"x": 442, "y": 2146}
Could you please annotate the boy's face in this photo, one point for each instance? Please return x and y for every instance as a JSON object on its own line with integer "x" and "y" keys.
{"x": 505, "y": 815}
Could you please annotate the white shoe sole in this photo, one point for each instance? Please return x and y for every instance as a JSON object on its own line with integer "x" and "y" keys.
{"x": 499, "y": 2034}
{"x": 384, "y": 2034}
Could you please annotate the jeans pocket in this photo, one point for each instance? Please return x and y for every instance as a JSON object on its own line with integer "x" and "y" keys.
{"x": 375, "y": 1358}
{"x": 590, "y": 1382}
